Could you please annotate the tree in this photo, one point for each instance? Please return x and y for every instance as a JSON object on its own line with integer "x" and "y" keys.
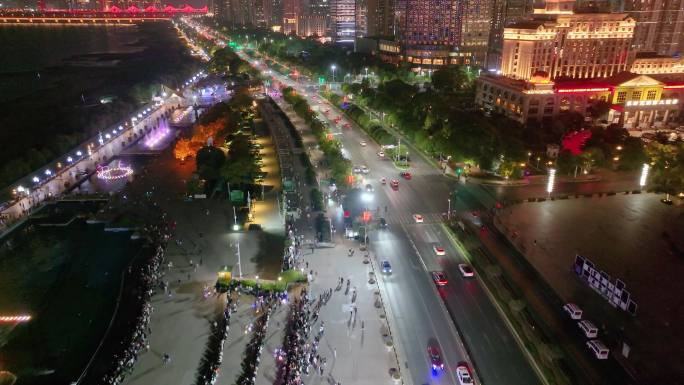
{"x": 449, "y": 79}
{"x": 182, "y": 149}
{"x": 667, "y": 164}
{"x": 599, "y": 109}
{"x": 592, "y": 156}
{"x": 209, "y": 161}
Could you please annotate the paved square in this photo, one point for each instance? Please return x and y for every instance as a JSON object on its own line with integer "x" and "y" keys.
{"x": 631, "y": 237}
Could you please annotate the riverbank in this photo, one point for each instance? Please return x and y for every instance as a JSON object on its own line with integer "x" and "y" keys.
{"x": 81, "y": 79}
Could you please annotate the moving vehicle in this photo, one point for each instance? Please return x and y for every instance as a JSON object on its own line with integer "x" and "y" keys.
{"x": 438, "y": 250}
{"x": 383, "y": 180}
{"x": 418, "y": 218}
{"x": 439, "y": 278}
{"x": 435, "y": 358}
{"x": 386, "y": 267}
{"x": 383, "y": 223}
{"x": 395, "y": 184}
{"x": 463, "y": 374}
{"x": 369, "y": 188}
{"x": 363, "y": 143}
{"x": 381, "y": 154}
{"x": 405, "y": 174}
{"x": 466, "y": 270}
{"x": 365, "y": 169}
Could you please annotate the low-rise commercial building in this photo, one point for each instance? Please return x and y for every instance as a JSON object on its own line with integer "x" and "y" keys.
{"x": 635, "y": 101}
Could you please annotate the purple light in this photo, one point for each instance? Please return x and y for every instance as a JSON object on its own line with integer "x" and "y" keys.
{"x": 156, "y": 136}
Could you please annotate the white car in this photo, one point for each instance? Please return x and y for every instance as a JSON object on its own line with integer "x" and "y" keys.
{"x": 363, "y": 143}
{"x": 364, "y": 169}
{"x": 381, "y": 154}
{"x": 439, "y": 250}
{"x": 418, "y": 218}
{"x": 463, "y": 375}
{"x": 357, "y": 170}
{"x": 466, "y": 270}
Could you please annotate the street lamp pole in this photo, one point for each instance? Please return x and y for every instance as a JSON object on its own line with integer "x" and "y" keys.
{"x": 449, "y": 212}
{"x": 235, "y": 224}
{"x": 333, "y": 72}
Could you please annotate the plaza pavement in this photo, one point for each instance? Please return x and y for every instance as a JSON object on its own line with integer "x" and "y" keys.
{"x": 180, "y": 324}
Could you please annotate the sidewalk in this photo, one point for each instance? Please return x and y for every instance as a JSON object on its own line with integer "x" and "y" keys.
{"x": 354, "y": 343}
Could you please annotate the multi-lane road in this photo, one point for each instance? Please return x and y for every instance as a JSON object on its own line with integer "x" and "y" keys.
{"x": 459, "y": 318}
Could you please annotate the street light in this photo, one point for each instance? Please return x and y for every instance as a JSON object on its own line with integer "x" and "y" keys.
{"x": 449, "y": 212}
{"x": 644, "y": 175}
{"x": 552, "y": 179}
{"x": 333, "y": 67}
{"x": 235, "y": 224}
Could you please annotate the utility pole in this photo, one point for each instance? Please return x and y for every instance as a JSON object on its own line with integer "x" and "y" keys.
{"x": 449, "y": 212}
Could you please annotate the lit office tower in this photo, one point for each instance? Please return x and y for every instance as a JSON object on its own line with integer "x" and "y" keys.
{"x": 361, "y": 18}
{"x": 563, "y": 43}
{"x": 273, "y": 14}
{"x": 380, "y": 17}
{"x": 476, "y": 21}
{"x": 343, "y": 20}
{"x": 431, "y": 22}
{"x": 659, "y": 27}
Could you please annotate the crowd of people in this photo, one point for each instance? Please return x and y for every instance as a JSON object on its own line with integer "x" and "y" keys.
{"x": 299, "y": 355}
{"x": 210, "y": 364}
{"x": 150, "y": 277}
{"x": 250, "y": 364}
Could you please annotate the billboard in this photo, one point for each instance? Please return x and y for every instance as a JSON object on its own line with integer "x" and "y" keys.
{"x": 614, "y": 291}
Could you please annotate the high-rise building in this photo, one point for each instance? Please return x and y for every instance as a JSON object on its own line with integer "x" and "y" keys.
{"x": 476, "y": 22}
{"x": 504, "y": 12}
{"x": 380, "y": 18}
{"x": 273, "y": 14}
{"x": 361, "y": 12}
{"x": 659, "y": 25}
{"x": 562, "y": 43}
{"x": 343, "y": 20}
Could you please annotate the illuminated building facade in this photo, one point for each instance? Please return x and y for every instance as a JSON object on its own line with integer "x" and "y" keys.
{"x": 636, "y": 101}
{"x": 343, "y": 20}
{"x": 576, "y": 45}
{"x": 649, "y": 63}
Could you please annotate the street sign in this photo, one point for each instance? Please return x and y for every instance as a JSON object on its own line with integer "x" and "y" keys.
{"x": 237, "y": 196}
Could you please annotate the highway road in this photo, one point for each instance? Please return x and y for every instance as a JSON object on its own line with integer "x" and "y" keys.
{"x": 424, "y": 314}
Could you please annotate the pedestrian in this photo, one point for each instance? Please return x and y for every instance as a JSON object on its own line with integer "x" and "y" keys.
{"x": 307, "y": 265}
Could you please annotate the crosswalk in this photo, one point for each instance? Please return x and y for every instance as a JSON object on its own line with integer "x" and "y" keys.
{"x": 395, "y": 218}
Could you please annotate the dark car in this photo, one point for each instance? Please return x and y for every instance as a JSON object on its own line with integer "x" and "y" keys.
{"x": 383, "y": 223}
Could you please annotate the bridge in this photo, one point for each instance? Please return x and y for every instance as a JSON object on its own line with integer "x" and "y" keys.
{"x": 109, "y": 15}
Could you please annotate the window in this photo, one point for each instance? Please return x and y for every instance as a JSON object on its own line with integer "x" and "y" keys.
{"x": 651, "y": 95}
{"x": 621, "y": 97}
{"x": 636, "y": 95}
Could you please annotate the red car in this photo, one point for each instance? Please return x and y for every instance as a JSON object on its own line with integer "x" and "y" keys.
{"x": 440, "y": 278}
{"x": 406, "y": 175}
{"x": 395, "y": 184}
{"x": 435, "y": 358}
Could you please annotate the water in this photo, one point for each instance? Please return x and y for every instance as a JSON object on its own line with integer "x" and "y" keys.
{"x": 53, "y": 79}
{"x": 67, "y": 278}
